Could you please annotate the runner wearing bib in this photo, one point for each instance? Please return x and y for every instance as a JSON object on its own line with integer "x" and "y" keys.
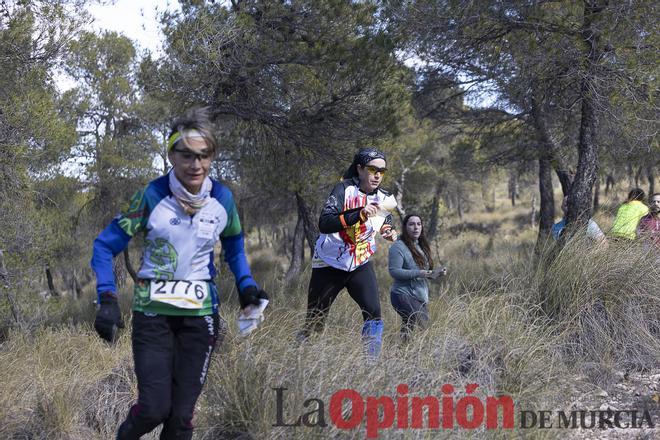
{"x": 350, "y": 220}
{"x": 175, "y": 308}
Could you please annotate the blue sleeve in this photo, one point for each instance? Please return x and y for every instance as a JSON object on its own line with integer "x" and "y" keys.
{"x": 234, "y": 250}
{"x": 231, "y": 238}
{"x": 110, "y": 242}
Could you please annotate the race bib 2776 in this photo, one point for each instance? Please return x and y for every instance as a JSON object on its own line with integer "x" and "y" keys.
{"x": 180, "y": 293}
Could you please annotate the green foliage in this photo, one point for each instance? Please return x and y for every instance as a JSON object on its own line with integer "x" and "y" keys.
{"x": 118, "y": 144}
{"x": 296, "y": 88}
{"x": 35, "y": 134}
{"x": 563, "y": 74}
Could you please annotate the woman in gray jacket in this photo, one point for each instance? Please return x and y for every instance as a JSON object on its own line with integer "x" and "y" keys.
{"x": 411, "y": 264}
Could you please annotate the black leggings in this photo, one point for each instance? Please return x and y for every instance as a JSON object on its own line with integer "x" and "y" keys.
{"x": 172, "y": 356}
{"x": 413, "y": 313}
{"x": 325, "y": 285}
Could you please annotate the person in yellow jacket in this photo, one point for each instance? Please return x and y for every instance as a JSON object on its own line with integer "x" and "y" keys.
{"x": 628, "y": 215}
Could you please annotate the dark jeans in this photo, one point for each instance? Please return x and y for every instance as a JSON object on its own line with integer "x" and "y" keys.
{"x": 412, "y": 311}
{"x": 172, "y": 356}
{"x": 325, "y": 285}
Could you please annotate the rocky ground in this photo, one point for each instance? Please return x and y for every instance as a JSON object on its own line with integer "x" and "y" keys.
{"x": 624, "y": 391}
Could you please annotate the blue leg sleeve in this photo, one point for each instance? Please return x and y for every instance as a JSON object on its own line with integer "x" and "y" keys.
{"x": 372, "y": 336}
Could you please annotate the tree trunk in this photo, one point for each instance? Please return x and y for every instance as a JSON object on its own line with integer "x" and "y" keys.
{"x": 631, "y": 177}
{"x": 609, "y": 184}
{"x": 51, "y": 284}
{"x": 449, "y": 200}
{"x": 297, "y": 250}
{"x": 400, "y": 187}
{"x": 532, "y": 219}
{"x": 163, "y": 152}
{"x": 75, "y": 285}
{"x": 565, "y": 179}
{"x": 651, "y": 177}
{"x": 638, "y": 176}
{"x": 493, "y": 197}
{"x": 597, "y": 194}
{"x": 310, "y": 226}
{"x": 548, "y": 145}
{"x": 579, "y": 199}
{"x": 547, "y": 156}
{"x": 129, "y": 266}
{"x": 459, "y": 203}
{"x": 547, "y": 210}
{"x": 70, "y": 278}
{"x": 513, "y": 188}
{"x": 432, "y": 227}
{"x": 284, "y": 243}
{"x": 486, "y": 192}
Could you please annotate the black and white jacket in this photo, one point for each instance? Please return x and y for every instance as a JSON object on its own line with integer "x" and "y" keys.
{"x": 347, "y": 241}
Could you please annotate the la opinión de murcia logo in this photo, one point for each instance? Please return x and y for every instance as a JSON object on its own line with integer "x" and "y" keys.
{"x": 349, "y": 410}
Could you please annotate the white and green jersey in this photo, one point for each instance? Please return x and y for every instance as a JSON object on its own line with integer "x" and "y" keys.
{"x": 177, "y": 246}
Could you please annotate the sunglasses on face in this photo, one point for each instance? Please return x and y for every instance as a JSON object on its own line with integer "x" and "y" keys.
{"x": 373, "y": 170}
{"x": 189, "y": 156}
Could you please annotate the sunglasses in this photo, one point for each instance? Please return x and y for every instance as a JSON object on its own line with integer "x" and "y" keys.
{"x": 373, "y": 170}
{"x": 189, "y": 156}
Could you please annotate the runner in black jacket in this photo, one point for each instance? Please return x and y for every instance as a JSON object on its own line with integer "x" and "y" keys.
{"x": 350, "y": 219}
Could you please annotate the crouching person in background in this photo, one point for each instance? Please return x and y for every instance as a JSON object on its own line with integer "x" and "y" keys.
{"x": 628, "y": 216}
